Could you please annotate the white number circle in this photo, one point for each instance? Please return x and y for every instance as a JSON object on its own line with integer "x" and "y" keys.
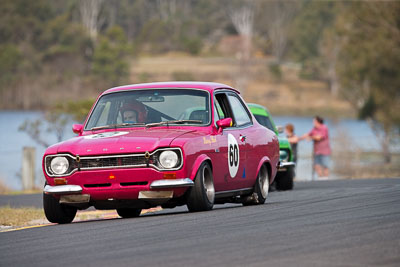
{"x": 233, "y": 155}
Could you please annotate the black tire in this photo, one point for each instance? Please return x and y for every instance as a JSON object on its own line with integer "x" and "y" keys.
{"x": 56, "y": 212}
{"x": 284, "y": 180}
{"x": 202, "y": 195}
{"x": 129, "y": 213}
{"x": 261, "y": 188}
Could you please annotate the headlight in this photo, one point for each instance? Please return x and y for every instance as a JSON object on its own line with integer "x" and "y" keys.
{"x": 283, "y": 155}
{"x": 59, "y": 165}
{"x": 168, "y": 159}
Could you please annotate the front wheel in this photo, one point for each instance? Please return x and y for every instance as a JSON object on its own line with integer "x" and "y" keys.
{"x": 261, "y": 188}
{"x": 56, "y": 212}
{"x": 284, "y": 180}
{"x": 201, "y": 196}
{"x": 129, "y": 213}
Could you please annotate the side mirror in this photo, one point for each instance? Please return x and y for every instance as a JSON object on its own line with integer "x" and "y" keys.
{"x": 77, "y": 128}
{"x": 280, "y": 129}
{"x": 224, "y": 123}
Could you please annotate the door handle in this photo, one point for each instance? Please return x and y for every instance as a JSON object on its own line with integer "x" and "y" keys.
{"x": 242, "y": 138}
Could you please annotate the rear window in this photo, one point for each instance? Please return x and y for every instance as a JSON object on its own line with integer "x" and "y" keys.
{"x": 265, "y": 121}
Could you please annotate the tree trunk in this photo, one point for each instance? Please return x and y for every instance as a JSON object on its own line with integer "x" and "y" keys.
{"x": 90, "y": 11}
{"x": 243, "y": 21}
{"x": 387, "y": 157}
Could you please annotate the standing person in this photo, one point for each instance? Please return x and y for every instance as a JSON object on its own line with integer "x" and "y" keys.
{"x": 322, "y": 149}
{"x": 293, "y": 139}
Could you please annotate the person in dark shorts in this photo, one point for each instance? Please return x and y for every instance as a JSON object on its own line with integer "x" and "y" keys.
{"x": 322, "y": 149}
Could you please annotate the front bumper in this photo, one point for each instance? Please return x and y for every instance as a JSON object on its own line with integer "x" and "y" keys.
{"x": 73, "y": 193}
{"x": 168, "y": 183}
{"x": 284, "y": 166}
{"x": 76, "y": 189}
{"x": 62, "y": 189}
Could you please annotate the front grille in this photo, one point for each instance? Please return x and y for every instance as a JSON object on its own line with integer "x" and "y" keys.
{"x": 114, "y": 162}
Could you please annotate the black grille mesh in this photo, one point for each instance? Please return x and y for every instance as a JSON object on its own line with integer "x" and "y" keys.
{"x": 115, "y": 162}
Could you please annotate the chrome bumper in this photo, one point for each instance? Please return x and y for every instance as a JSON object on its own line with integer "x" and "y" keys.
{"x": 283, "y": 165}
{"x": 62, "y": 189}
{"x": 186, "y": 182}
{"x": 76, "y": 189}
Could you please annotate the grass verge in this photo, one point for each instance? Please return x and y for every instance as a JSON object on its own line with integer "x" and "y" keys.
{"x": 11, "y": 218}
{"x": 20, "y": 216}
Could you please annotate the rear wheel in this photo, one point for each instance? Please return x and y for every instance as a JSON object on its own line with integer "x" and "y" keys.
{"x": 261, "y": 188}
{"x": 129, "y": 213}
{"x": 56, "y": 212}
{"x": 202, "y": 195}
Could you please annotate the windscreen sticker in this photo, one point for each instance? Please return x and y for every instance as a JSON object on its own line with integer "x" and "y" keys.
{"x": 233, "y": 155}
{"x": 104, "y": 135}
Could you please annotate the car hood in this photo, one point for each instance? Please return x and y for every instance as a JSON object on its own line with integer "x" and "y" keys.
{"x": 283, "y": 142}
{"x": 119, "y": 142}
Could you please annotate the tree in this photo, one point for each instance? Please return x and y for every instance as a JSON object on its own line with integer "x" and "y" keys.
{"x": 330, "y": 47}
{"x": 243, "y": 20}
{"x": 110, "y": 57}
{"x": 90, "y": 15}
{"x": 274, "y": 21}
{"x": 306, "y": 33}
{"x": 369, "y": 66}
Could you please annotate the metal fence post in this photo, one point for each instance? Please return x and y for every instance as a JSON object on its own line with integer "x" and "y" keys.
{"x": 28, "y": 168}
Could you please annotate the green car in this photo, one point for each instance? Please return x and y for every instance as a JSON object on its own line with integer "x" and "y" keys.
{"x": 286, "y": 171}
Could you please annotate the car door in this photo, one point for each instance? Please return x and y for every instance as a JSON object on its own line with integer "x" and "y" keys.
{"x": 243, "y": 125}
{"x": 231, "y": 159}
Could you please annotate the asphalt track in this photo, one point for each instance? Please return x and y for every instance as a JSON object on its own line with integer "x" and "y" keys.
{"x": 25, "y": 200}
{"x": 326, "y": 223}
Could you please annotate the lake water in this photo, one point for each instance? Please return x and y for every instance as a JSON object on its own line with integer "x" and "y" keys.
{"x": 13, "y": 141}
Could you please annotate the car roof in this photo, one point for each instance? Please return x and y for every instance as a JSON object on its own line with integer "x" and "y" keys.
{"x": 209, "y": 86}
{"x": 258, "y": 109}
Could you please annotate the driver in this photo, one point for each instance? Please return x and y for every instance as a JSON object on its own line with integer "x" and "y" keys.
{"x": 129, "y": 116}
{"x": 133, "y": 112}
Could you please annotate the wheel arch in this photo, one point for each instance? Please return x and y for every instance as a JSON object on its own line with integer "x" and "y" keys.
{"x": 197, "y": 163}
{"x": 266, "y": 162}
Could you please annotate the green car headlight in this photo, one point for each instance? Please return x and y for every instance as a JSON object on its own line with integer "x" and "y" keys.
{"x": 59, "y": 165}
{"x": 283, "y": 155}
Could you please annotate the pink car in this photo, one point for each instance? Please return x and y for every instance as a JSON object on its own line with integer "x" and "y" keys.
{"x": 161, "y": 144}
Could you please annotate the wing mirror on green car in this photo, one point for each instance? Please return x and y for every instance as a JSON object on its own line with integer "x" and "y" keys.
{"x": 280, "y": 129}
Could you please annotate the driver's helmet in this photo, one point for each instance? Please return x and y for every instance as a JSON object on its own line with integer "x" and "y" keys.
{"x": 137, "y": 107}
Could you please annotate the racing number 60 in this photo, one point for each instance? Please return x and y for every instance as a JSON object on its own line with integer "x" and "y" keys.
{"x": 233, "y": 155}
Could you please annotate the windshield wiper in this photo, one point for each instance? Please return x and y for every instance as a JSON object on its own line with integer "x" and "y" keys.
{"x": 172, "y": 122}
{"x": 116, "y": 125}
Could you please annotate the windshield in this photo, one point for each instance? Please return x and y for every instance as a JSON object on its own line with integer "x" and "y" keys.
{"x": 137, "y": 108}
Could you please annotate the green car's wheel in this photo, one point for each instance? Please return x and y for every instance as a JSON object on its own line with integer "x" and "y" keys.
{"x": 56, "y": 212}
{"x": 284, "y": 180}
{"x": 129, "y": 213}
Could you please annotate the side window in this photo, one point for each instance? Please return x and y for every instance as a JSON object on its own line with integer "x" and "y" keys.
{"x": 239, "y": 111}
{"x": 222, "y": 106}
{"x": 219, "y": 113}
